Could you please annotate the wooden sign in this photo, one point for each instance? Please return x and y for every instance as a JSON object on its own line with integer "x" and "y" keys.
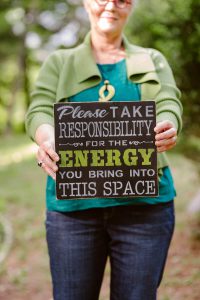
{"x": 106, "y": 150}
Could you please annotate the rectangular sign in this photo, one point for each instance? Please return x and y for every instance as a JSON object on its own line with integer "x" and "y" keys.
{"x": 106, "y": 150}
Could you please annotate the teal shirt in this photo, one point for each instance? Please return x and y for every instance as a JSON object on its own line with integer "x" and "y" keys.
{"x": 125, "y": 90}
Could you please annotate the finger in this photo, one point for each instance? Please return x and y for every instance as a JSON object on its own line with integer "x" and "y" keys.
{"x": 163, "y": 126}
{"x": 165, "y": 148}
{"x": 40, "y": 155}
{"x": 51, "y": 164}
{"x": 166, "y": 142}
{"x": 44, "y": 157}
{"x": 172, "y": 132}
{"x": 49, "y": 171}
{"x": 47, "y": 147}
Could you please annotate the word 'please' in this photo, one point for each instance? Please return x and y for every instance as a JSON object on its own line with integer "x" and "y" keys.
{"x": 79, "y": 113}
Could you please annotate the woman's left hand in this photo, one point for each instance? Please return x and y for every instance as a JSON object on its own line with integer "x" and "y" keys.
{"x": 166, "y": 135}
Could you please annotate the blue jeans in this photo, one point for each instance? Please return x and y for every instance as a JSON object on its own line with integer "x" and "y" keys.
{"x": 136, "y": 239}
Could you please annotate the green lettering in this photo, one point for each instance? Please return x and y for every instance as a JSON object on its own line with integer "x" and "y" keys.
{"x": 146, "y": 155}
{"x": 81, "y": 158}
{"x": 130, "y": 158}
{"x": 113, "y": 158}
{"x": 97, "y": 158}
{"x": 65, "y": 159}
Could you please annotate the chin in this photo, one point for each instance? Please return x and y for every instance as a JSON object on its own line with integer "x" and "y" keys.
{"x": 107, "y": 26}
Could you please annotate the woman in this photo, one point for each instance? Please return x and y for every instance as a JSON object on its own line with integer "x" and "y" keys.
{"x": 134, "y": 233}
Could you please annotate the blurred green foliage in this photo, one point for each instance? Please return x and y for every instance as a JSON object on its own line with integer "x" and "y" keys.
{"x": 30, "y": 30}
{"x": 173, "y": 27}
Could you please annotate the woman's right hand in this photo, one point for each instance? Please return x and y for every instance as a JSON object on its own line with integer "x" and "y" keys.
{"x": 48, "y": 158}
{"x": 46, "y": 155}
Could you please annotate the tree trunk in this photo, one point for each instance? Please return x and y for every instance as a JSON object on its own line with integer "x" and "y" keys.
{"x": 20, "y": 82}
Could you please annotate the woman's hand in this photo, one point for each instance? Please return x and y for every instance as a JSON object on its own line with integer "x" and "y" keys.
{"x": 48, "y": 158}
{"x": 166, "y": 135}
{"x": 46, "y": 155}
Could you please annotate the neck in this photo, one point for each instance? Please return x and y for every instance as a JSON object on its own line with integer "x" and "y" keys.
{"x": 106, "y": 42}
{"x": 107, "y": 49}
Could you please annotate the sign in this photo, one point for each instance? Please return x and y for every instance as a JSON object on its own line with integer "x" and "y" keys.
{"x": 106, "y": 150}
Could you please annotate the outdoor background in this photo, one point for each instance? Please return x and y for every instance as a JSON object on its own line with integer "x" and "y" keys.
{"x": 29, "y": 31}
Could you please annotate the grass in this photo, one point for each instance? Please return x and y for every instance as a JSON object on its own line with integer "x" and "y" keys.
{"x": 22, "y": 201}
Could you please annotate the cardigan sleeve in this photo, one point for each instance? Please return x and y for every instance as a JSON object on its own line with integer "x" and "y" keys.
{"x": 43, "y": 96}
{"x": 168, "y": 105}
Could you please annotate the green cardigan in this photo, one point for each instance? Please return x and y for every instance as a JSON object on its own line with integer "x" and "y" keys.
{"x": 68, "y": 72}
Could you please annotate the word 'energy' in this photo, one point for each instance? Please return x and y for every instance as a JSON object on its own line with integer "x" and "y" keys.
{"x": 108, "y": 158}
